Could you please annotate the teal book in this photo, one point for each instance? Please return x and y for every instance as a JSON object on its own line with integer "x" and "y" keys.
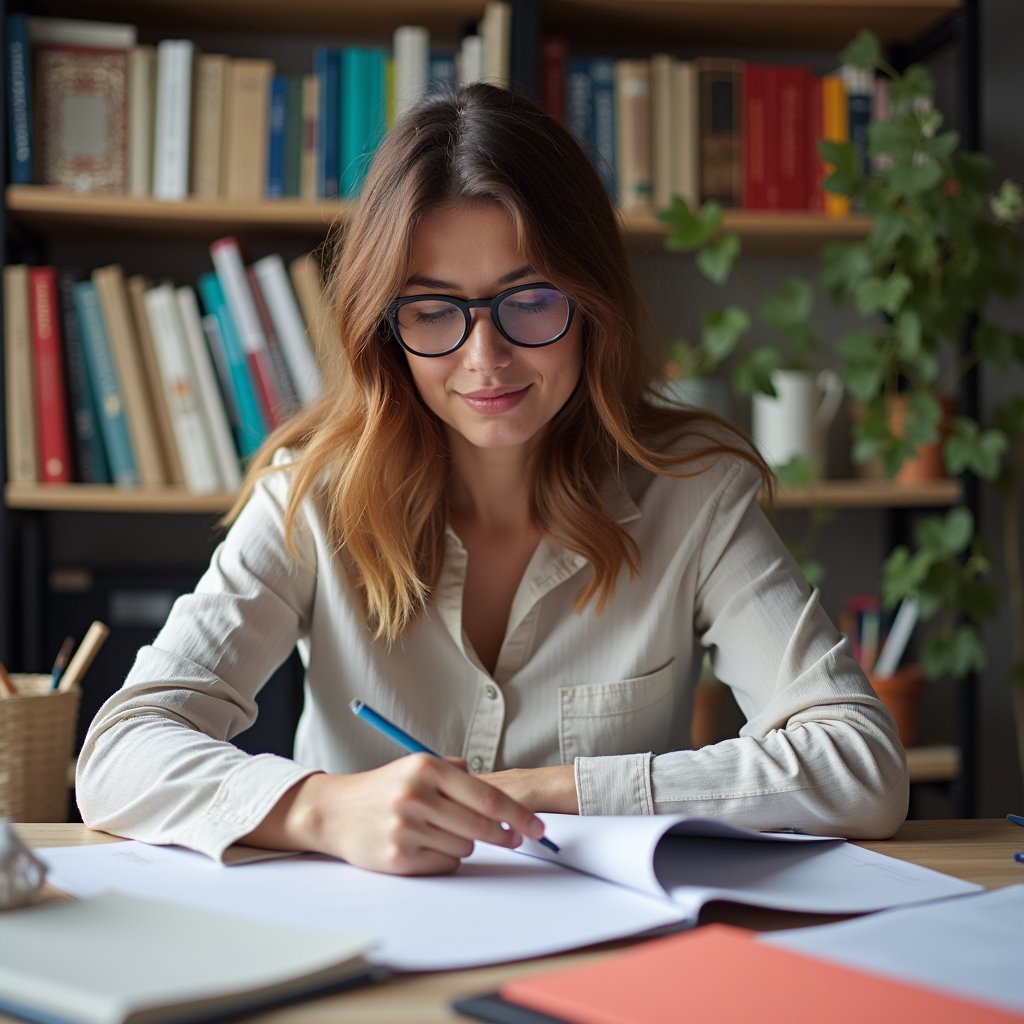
{"x": 293, "y": 136}
{"x": 355, "y": 119}
{"x": 101, "y": 373}
{"x": 252, "y": 425}
{"x": 19, "y": 102}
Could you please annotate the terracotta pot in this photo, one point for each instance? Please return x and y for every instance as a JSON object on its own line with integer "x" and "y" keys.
{"x": 927, "y": 463}
{"x": 901, "y": 693}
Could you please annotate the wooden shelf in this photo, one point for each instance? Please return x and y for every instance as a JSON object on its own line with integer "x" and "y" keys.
{"x": 96, "y": 498}
{"x": 45, "y": 209}
{"x": 870, "y": 494}
{"x": 933, "y": 764}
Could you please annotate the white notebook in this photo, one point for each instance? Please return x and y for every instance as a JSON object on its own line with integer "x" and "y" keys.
{"x": 123, "y": 959}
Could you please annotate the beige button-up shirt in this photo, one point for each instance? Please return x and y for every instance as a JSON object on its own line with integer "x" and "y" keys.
{"x": 610, "y": 693}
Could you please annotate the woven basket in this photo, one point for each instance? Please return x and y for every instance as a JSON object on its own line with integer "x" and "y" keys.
{"x": 37, "y": 738}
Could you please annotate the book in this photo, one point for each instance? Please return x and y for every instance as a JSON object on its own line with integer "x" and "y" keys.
{"x": 224, "y": 452}
{"x": 277, "y": 120}
{"x": 289, "y": 327}
{"x": 496, "y": 39}
{"x": 230, "y": 269}
{"x": 137, "y": 286}
{"x": 246, "y": 120}
{"x": 720, "y": 83}
{"x": 615, "y": 876}
{"x": 792, "y": 91}
{"x": 172, "y": 129}
{"x": 21, "y": 166}
{"x": 470, "y": 62}
{"x": 721, "y": 972}
{"x": 633, "y": 134}
{"x": 51, "y": 395}
{"x": 604, "y": 98}
{"x": 181, "y": 389}
{"x": 252, "y": 423}
{"x": 90, "y": 459}
{"x": 294, "y": 127}
{"x": 141, "y": 118}
{"x": 411, "y": 45}
{"x": 101, "y": 372}
{"x": 19, "y": 382}
{"x": 124, "y": 346}
{"x": 554, "y": 67}
{"x": 304, "y": 272}
{"x": 673, "y": 130}
{"x": 327, "y": 69}
{"x": 208, "y": 124}
{"x": 120, "y": 959}
{"x": 363, "y": 113}
{"x": 761, "y": 140}
{"x": 287, "y": 396}
{"x": 81, "y": 109}
{"x": 835, "y": 128}
{"x": 97, "y": 35}
{"x": 310, "y": 157}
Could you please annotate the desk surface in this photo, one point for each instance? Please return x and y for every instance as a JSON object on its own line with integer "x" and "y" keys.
{"x": 976, "y": 850}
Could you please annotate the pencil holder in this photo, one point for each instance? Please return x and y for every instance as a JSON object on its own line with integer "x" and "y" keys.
{"x": 37, "y": 738}
{"x": 901, "y": 693}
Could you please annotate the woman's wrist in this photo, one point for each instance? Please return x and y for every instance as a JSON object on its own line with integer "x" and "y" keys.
{"x": 295, "y": 822}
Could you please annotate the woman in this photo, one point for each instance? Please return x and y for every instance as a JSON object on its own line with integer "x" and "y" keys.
{"x": 491, "y": 531}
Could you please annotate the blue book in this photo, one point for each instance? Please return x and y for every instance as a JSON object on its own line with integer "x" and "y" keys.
{"x": 579, "y": 102}
{"x": 375, "y": 87}
{"x": 277, "y": 117}
{"x": 106, "y": 386}
{"x": 602, "y": 76}
{"x": 19, "y": 102}
{"x": 252, "y": 425}
{"x": 293, "y": 137}
{"x": 355, "y": 118}
{"x": 327, "y": 68}
{"x": 441, "y": 71}
{"x": 90, "y": 457}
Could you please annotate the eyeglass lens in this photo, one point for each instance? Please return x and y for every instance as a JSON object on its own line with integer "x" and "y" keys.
{"x": 533, "y": 316}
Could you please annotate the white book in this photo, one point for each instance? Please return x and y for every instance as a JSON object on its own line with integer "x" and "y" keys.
{"x": 290, "y": 327}
{"x": 685, "y": 132}
{"x": 209, "y": 394}
{"x": 208, "y": 104}
{"x": 121, "y": 959}
{"x": 412, "y": 58}
{"x": 471, "y": 60}
{"x": 195, "y": 446}
{"x": 103, "y": 35}
{"x": 173, "y": 119}
{"x": 496, "y": 33}
{"x": 141, "y": 119}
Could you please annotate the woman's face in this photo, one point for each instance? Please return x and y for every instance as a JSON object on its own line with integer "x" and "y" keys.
{"x": 490, "y": 393}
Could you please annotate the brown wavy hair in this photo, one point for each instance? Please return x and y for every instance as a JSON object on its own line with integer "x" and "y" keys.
{"x": 370, "y": 448}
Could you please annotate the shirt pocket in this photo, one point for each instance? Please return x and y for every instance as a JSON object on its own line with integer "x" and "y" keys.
{"x": 628, "y": 717}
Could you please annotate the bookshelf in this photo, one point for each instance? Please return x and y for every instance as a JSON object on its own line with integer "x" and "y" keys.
{"x": 35, "y": 218}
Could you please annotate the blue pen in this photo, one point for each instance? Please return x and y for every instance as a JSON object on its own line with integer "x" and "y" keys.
{"x": 363, "y": 710}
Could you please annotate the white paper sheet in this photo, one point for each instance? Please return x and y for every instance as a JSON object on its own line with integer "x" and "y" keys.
{"x": 972, "y": 947}
{"x": 501, "y": 905}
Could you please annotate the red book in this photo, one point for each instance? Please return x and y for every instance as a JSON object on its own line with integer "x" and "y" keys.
{"x": 760, "y": 138}
{"x": 815, "y": 169}
{"x": 554, "y": 58}
{"x": 791, "y": 97}
{"x": 51, "y": 396}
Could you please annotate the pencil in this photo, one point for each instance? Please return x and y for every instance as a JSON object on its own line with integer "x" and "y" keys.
{"x": 82, "y": 659}
{"x": 6, "y": 686}
{"x": 363, "y": 710}
{"x": 61, "y": 661}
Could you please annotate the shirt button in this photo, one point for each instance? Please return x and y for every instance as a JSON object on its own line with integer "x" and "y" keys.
{"x": 476, "y": 763}
{"x": 491, "y": 692}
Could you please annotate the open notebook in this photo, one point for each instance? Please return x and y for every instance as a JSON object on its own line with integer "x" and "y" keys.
{"x": 614, "y": 877}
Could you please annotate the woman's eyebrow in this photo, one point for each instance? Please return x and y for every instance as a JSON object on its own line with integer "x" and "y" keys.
{"x": 422, "y": 281}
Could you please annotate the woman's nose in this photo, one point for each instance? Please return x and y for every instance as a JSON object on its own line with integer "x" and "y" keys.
{"x": 485, "y": 348}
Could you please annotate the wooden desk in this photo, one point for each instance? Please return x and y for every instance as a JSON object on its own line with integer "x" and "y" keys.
{"x": 976, "y": 850}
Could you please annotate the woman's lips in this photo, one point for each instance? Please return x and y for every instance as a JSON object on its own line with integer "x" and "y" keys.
{"x": 494, "y": 400}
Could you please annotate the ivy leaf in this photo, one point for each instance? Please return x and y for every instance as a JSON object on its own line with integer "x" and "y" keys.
{"x": 949, "y": 535}
{"x": 914, "y": 84}
{"x": 863, "y": 52}
{"x": 754, "y": 373}
{"x": 886, "y": 232}
{"x": 799, "y": 471}
{"x": 722, "y": 330}
{"x": 902, "y": 575}
{"x": 922, "y": 417}
{"x": 907, "y": 330}
{"x": 842, "y": 265}
{"x": 955, "y": 654}
{"x": 918, "y": 178}
{"x": 717, "y": 257}
{"x": 882, "y": 294}
{"x": 791, "y": 306}
{"x": 969, "y": 449}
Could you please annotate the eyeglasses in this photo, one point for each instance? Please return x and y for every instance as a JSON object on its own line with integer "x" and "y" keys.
{"x": 529, "y": 315}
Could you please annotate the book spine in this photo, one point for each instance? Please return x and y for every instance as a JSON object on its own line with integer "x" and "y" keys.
{"x": 173, "y": 109}
{"x": 51, "y": 397}
{"x": 760, "y": 144}
{"x": 293, "y": 136}
{"x": 836, "y": 129}
{"x": 304, "y": 272}
{"x": 90, "y": 460}
{"x": 87, "y": 33}
{"x": 288, "y": 398}
{"x": 327, "y": 68}
{"x": 442, "y": 73}
{"x": 120, "y": 330}
{"x": 633, "y": 134}
{"x": 496, "y": 36}
{"x": 252, "y": 424}
{"x": 792, "y": 96}
{"x": 309, "y": 187}
{"x": 554, "y": 62}
{"x": 685, "y": 132}
{"x": 19, "y": 102}
{"x": 246, "y": 128}
{"x": 470, "y": 65}
{"x": 106, "y": 386}
{"x": 277, "y": 117}
{"x": 210, "y": 402}
{"x": 291, "y": 331}
{"x": 815, "y": 170}
{"x": 604, "y": 115}
{"x": 412, "y": 57}
{"x": 22, "y": 444}
{"x": 190, "y": 430}
{"x": 355, "y": 119}
{"x": 230, "y": 269}
{"x": 662, "y": 130}
{"x": 208, "y": 124}
{"x": 141, "y": 116}
{"x": 579, "y": 104}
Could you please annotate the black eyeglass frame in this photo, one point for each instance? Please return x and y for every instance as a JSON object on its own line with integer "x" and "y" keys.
{"x": 467, "y": 306}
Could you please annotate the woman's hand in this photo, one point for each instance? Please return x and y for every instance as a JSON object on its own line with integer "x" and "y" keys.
{"x": 419, "y": 815}
{"x": 541, "y": 789}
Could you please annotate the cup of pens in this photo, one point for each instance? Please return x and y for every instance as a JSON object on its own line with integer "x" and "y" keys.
{"x": 38, "y": 717}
